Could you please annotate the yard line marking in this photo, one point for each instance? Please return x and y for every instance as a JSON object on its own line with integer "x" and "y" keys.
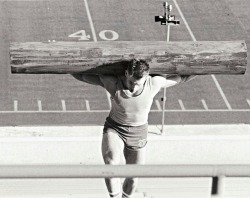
{"x": 182, "y": 105}
{"x": 194, "y": 39}
{"x": 248, "y": 102}
{"x": 39, "y": 103}
{"x": 158, "y": 105}
{"x": 15, "y": 105}
{"x": 63, "y": 105}
{"x": 95, "y": 39}
{"x": 87, "y": 105}
{"x": 221, "y": 93}
{"x": 90, "y": 21}
{"x": 204, "y": 104}
{"x": 185, "y": 21}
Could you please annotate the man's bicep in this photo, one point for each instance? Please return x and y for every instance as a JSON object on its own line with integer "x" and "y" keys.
{"x": 90, "y": 79}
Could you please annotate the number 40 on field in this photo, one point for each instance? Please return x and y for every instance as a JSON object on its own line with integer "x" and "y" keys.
{"x": 107, "y": 35}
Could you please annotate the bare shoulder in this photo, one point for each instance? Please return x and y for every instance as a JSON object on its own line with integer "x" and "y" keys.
{"x": 171, "y": 80}
{"x": 109, "y": 83}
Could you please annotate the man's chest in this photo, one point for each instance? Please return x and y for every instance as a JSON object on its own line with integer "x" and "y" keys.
{"x": 132, "y": 104}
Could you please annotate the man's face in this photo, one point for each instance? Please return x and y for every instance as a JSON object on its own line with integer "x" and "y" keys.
{"x": 133, "y": 83}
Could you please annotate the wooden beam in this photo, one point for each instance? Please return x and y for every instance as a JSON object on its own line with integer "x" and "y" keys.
{"x": 185, "y": 58}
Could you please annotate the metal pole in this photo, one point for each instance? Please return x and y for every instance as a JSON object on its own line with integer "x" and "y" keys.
{"x": 164, "y": 91}
{"x": 220, "y": 187}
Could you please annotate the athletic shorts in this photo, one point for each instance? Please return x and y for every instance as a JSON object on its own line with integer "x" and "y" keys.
{"x": 134, "y": 137}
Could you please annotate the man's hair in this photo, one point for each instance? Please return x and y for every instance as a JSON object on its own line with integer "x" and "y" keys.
{"x": 138, "y": 68}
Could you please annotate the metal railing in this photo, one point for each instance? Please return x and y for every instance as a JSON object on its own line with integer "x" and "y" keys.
{"x": 104, "y": 171}
{"x": 218, "y": 172}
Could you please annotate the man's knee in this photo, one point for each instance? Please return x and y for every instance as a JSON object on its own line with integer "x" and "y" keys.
{"x": 110, "y": 158}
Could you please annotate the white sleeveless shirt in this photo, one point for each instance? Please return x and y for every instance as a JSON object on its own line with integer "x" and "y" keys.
{"x": 129, "y": 110}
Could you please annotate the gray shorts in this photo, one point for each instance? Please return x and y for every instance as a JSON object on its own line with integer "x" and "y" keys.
{"x": 134, "y": 137}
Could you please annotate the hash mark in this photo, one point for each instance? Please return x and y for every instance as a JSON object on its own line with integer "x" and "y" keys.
{"x": 63, "y": 105}
{"x": 158, "y": 105}
{"x": 15, "y": 105}
{"x": 87, "y": 105}
{"x": 182, "y": 105}
{"x": 39, "y": 103}
{"x": 204, "y": 104}
{"x": 248, "y": 102}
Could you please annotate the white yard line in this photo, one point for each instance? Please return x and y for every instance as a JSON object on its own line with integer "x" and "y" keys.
{"x": 221, "y": 92}
{"x": 158, "y": 105}
{"x": 248, "y": 102}
{"x": 90, "y": 21}
{"x": 94, "y": 38}
{"x": 184, "y": 20}
{"x": 194, "y": 39}
{"x": 87, "y": 105}
{"x": 15, "y": 105}
{"x": 182, "y": 105}
{"x": 63, "y": 105}
{"x": 39, "y": 103}
{"x": 204, "y": 104}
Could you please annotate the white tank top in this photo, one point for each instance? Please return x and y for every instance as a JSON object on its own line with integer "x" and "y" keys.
{"x": 131, "y": 110}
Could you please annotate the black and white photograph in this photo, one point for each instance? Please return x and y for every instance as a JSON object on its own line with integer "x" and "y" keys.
{"x": 124, "y": 99}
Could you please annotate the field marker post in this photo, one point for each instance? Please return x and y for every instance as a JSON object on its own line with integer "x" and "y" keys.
{"x": 168, "y": 20}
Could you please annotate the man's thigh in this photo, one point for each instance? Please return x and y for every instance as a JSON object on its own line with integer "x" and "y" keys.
{"x": 112, "y": 147}
{"x": 135, "y": 156}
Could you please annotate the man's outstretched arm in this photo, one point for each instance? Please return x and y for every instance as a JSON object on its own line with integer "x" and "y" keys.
{"x": 171, "y": 80}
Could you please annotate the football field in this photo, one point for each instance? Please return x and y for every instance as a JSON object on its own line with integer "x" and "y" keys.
{"x": 207, "y": 118}
{"x": 62, "y": 100}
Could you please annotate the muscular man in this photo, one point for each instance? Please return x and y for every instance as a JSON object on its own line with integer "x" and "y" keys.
{"x": 126, "y": 127}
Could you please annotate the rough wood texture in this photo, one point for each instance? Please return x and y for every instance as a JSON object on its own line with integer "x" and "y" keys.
{"x": 185, "y": 58}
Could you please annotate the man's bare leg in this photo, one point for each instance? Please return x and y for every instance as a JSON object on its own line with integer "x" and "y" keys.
{"x": 112, "y": 151}
{"x": 132, "y": 157}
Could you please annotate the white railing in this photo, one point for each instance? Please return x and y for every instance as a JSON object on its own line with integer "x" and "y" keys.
{"x": 219, "y": 172}
{"x": 103, "y": 171}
